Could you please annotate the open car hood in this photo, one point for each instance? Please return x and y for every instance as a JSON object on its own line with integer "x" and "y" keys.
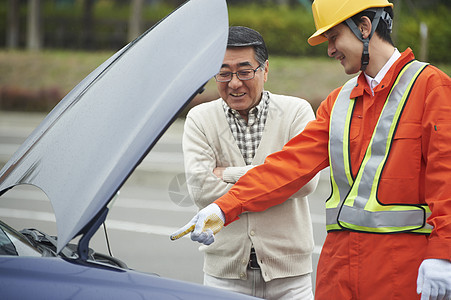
{"x": 90, "y": 143}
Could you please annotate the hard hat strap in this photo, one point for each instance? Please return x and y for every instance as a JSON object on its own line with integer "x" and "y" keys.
{"x": 365, "y": 54}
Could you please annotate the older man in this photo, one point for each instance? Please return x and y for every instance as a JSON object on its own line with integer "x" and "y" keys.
{"x": 227, "y": 137}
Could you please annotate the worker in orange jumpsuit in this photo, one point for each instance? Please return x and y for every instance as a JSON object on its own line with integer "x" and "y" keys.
{"x": 386, "y": 136}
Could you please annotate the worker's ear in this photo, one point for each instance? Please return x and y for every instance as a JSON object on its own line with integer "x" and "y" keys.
{"x": 365, "y": 27}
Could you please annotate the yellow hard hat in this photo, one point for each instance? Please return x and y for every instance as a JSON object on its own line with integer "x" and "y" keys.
{"x": 328, "y": 13}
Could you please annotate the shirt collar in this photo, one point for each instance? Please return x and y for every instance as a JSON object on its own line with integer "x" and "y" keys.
{"x": 256, "y": 110}
{"x": 362, "y": 84}
{"x": 373, "y": 82}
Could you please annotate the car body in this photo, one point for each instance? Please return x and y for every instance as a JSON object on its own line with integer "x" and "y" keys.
{"x": 90, "y": 143}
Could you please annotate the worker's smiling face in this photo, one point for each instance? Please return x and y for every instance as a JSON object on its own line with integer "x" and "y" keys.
{"x": 344, "y": 46}
{"x": 242, "y": 95}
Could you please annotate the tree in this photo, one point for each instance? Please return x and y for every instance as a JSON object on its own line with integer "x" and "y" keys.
{"x": 34, "y": 25}
{"x": 12, "y": 28}
{"x": 135, "y": 23}
{"x": 88, "y": 24}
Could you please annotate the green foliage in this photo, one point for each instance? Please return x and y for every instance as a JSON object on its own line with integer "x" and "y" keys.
{"x": 285, "y": 28}
{"x": 439, "y": 32}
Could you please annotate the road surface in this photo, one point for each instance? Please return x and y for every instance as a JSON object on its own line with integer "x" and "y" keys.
{"x": 152, "y": 204}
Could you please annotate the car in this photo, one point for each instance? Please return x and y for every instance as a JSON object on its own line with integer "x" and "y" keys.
{"x": 88, "y": 146}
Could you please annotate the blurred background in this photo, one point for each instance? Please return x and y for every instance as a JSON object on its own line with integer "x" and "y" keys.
{"x": 48, "y": 46}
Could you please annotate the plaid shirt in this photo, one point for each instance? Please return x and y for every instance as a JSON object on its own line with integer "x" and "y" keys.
{"x": 248, "y": 135}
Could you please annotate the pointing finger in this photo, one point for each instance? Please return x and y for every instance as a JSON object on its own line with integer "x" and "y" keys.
{"x": 182, "y": 231}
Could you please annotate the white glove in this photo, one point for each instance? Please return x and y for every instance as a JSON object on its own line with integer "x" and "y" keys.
{"x": 205, "y": 224}
{"x": 434, "y": 279}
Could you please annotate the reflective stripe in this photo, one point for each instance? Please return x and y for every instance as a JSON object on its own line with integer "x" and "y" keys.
{"x": 340, "y": 169}
{"x": 353, "y": 203}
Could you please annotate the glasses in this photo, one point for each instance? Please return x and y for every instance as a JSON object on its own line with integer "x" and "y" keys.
{"x": 246, "y": 74}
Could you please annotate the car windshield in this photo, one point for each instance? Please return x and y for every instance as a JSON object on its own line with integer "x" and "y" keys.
{"x": 14, "y": 244}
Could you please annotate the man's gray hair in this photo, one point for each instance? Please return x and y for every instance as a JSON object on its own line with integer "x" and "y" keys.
{"x": 240, "y": 36}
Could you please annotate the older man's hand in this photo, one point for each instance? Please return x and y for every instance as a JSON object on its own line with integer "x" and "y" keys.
{"x": 205, "y": 224}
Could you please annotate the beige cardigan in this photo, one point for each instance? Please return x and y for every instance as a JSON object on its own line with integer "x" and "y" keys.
{"x": 282, "y": 235}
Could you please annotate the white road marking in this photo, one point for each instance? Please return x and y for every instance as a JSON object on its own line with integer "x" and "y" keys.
{"x": 111, "y": 224}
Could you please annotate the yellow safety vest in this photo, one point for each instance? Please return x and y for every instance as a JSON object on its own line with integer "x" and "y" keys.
{"x": 353, "y": 204}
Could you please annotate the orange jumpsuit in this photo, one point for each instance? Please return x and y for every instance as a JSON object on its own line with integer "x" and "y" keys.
{"x": 356, "y": 265}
